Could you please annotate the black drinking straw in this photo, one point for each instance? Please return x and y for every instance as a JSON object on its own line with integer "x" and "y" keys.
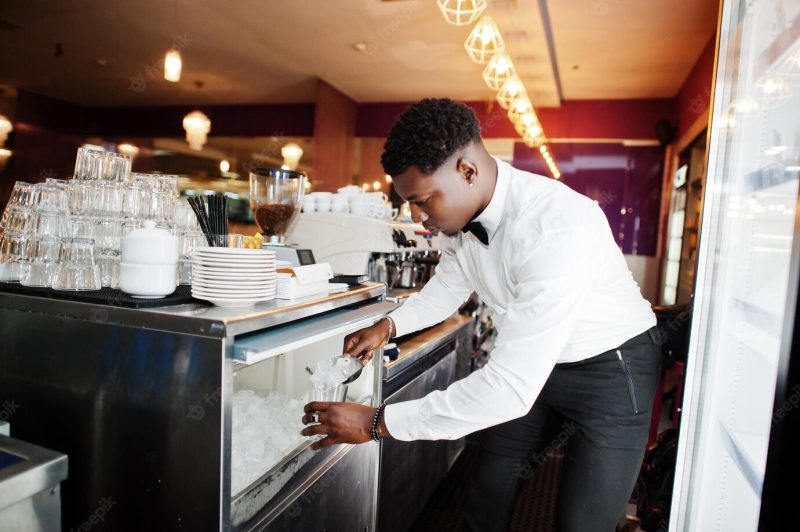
{"x": 200, "y": 212}
{"x": 211, "y": 225}
{"x": 225, "y": 215}
{"x": 213, "y": 222}
{"x": 213, "y": 211}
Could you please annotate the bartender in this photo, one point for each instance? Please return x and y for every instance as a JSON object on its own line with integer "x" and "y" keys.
{"x": 576, "y": 340}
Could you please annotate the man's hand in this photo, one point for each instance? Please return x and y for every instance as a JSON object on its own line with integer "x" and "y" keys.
{"x": 361, "y": 344}
{"x": 341, "y": 422}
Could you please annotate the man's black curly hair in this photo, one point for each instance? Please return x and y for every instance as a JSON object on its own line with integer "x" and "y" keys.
{"x": 427, "y": 134}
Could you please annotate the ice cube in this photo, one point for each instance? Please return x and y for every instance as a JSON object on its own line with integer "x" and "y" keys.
{"x": 324, "y": 365}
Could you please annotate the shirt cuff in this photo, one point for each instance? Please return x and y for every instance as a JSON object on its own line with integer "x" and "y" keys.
{"x": 402, "y": 419}
{"x": 404, "y": 321}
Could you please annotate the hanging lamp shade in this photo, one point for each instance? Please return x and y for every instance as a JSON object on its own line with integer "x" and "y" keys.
{"x": 291, "y": 153}
{"x": 197, "y": 126}
{"x": 173, "y": 65}
{"x": 533, "y": 136}
{"x": 4, "y": 155}
{"x": 5, "y": 128}
{"x": 128, "y": 150}
{"x": 525, "y": 122}
{"x": 499, "y": 69}
{"x": 520, "y": 106}
{"x": 461, "y": 12}
{"x": 484, "y": 40}
{"x": 509, "y": 91}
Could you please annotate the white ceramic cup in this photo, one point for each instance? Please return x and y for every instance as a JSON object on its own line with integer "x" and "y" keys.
{"x": 323, "y": 205}
{"x": 340, "y": 207}
{"x": 320, "y": 195}
{"x": 360, "y": 208}
{"x": 377, "y": 197}
{"x": 388, "y": 213}
{"x": 351, "y": 190}
{"x": 309, "y": 205}
{"x": 377, "y": 210}
{"x": 405, "y": 212}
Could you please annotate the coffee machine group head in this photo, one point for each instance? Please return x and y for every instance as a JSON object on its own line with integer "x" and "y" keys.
{"x": 400, "y": 254}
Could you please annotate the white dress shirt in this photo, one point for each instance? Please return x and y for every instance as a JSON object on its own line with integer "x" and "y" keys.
{"x": 560, "y": 290}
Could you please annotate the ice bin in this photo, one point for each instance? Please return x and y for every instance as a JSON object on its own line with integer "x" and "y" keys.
{"x": 142, "y": 401}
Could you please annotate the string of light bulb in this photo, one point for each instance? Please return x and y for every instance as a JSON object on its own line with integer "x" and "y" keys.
{"x": 549, "y": 160}
{"x": 485, "y": 45}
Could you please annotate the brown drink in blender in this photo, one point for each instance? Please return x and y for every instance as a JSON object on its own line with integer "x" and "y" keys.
{"x": 273, "y": 219}
{"x": 275, "y": 197}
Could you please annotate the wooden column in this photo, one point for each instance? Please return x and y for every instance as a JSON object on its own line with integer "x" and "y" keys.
{"x": 334, "y": 133}
{"x": 370, "y": 169}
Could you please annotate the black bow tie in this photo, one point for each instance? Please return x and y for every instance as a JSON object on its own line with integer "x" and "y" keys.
{"x": 479, "y": 231}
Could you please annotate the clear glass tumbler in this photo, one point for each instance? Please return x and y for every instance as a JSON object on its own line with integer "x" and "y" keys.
{"x": 83, "y": 227}
{"x": 90, "y": 164}
{"x": 80, "y": 193}
{"x": 43, "y": 260}
{"x": 109, "y": 270}
{"x": 162, "y": 205}
{"x": 77, "y": 268}
{"x": 47, "y": 197}
{"x": 48, "y": 224}
{"x": 185, "y": 218}
{"x": 108, "y": 236}
{"x": 16, "y": 219}
{"x": 117, "y": 167}
{"x": 188, "y": 243}
{"x": 21, "y": 195}
{"x": 136, "y": 199}
{"x": 13, "y": 256}
{"x": 108, "y": 197}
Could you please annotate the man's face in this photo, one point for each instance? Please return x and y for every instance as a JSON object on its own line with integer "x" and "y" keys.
{"x": 442, "y": 201}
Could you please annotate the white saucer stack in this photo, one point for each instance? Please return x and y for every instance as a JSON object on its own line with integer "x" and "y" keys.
{"x": 233, "y": 277}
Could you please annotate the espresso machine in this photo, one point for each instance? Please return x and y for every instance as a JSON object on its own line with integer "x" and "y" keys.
{"x": 400, "y": 254}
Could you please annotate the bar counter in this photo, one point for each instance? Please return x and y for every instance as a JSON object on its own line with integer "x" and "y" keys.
{"x": 142, "y": 402}
{"x": 410, "y": 471}
{"x": 415, "y": 346}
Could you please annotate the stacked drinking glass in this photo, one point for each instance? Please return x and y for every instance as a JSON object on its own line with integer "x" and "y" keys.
{"x": 67, "y": 234}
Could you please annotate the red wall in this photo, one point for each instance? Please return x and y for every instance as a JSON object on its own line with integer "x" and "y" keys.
{"x": 46, "y": 136}
{"x": 258, "y": 120}
{"x": 694, "y": 96}
{"x": 631, "y": 119}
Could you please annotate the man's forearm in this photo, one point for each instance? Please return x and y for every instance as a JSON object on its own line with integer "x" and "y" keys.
{"x": 432, "y": 305}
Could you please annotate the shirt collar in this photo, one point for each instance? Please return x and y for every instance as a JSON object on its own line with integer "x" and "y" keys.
{"x": 492, "y": 215}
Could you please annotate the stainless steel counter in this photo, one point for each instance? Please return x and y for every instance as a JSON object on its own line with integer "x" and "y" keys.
{"x": 142, "y": 402}
{"x": 410, "y": 471}
{"x": 198, "y": 318}
{"x": 30, "y": 479}
{"x": 416, "y": 346}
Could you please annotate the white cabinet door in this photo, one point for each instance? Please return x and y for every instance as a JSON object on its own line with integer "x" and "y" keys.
{"x": 744, "y": 262}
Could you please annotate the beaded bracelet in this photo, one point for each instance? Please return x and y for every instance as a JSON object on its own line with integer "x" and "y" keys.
{"x": 376, "y": 422}
{"x": 391, "y": 327}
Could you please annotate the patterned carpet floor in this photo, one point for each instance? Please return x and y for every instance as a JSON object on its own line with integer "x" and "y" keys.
{"x": 535, "y": 510}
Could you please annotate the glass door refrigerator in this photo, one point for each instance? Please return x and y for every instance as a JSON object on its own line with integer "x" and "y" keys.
{"x": 741, "y": 391}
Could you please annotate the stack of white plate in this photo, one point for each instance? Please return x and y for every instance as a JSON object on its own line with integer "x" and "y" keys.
{"x": 233, "y": 277}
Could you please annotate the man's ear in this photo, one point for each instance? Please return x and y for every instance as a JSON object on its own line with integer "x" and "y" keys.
{"x": 468, "y": 170}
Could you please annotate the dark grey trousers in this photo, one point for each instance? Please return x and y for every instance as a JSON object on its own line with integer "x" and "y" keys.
{"x": 600, "y": 409}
